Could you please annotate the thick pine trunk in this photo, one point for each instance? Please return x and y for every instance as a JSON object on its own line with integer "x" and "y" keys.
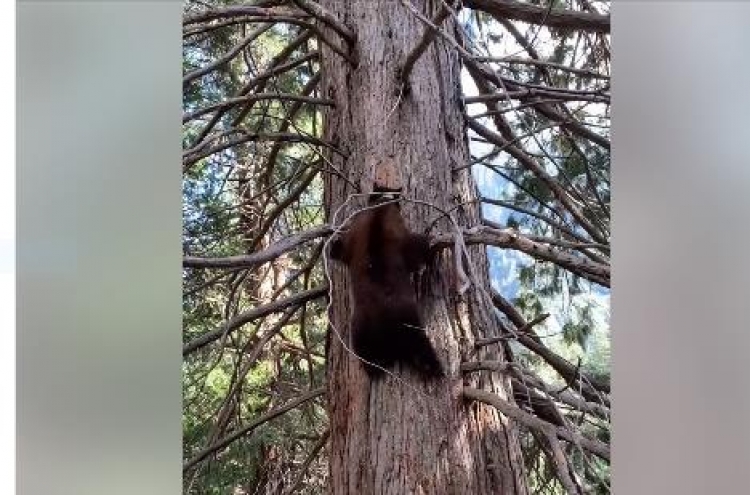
{"x": 393, "y": 437}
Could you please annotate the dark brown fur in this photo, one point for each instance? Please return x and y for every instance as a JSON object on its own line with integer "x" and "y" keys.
{"x": 382, "y": 254}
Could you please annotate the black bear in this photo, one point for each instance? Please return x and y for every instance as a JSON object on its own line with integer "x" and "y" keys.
{"x": 382, "y": 255}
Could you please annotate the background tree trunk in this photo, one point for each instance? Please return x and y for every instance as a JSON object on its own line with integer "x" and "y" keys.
{"x": 385, "y": 437}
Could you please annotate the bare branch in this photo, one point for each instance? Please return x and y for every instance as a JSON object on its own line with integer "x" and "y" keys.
{"x": 270, "y": 160}
{"x": 327, "y": 18}
{"x": 533, "y": 14}
{"x": 537, "y": 403}
{"x": 594, "y": 446}
{"x": 250, "y": 353}
{"x": 526, "y": 378}
{"x": 250, "y": 260}
{"x": 207, "y": 28}
{"x": 578, "y": 246}
{"x": 275, "y": 66}
{"x": 240, "y": 11}
{"x": 561, "y": 464}
{"x": 282, "y": 205}
{"x": 551, "y": 222}
{"x": 545, "y": 109}
{"x": 560, "y": 94}
{"x": 510, "y": 238}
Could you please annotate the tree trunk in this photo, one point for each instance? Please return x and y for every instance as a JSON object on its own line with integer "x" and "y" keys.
{"x": 403, "y": 437}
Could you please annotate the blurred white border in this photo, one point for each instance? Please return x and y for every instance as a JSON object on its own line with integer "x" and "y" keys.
{"x": 7, "y": 247}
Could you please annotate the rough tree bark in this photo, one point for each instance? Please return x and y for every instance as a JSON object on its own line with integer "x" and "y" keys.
{"x": 385, "y": 437}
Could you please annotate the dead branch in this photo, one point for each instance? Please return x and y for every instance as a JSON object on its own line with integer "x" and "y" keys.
{"x": 547, "y": 110}
{"x": 249, "y": 354}
{"x": 541, "y": 405}
{"x": 270, "y": 160}
{"x": 540, "y": 216}
{"x": 578, "y": 246}
{"x": 282, "y": 205}
{"x": 202, "y": 151}
{"x": 561, "y": 463}
{"x": 556, "y": 94}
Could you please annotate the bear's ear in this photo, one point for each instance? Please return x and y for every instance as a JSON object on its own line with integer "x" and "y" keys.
{"x": 337, "y": 251}
{"x": 416, "y": 251}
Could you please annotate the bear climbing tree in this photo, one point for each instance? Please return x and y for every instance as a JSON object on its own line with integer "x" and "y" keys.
{"x": 404, "y": 436}
{"x": 298, "y": 110}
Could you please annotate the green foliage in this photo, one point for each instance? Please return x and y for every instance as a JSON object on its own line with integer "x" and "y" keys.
{"x": 224, "y": 199}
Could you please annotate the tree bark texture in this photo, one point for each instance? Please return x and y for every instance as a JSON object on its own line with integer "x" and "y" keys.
{"x": 411, "y": 437}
